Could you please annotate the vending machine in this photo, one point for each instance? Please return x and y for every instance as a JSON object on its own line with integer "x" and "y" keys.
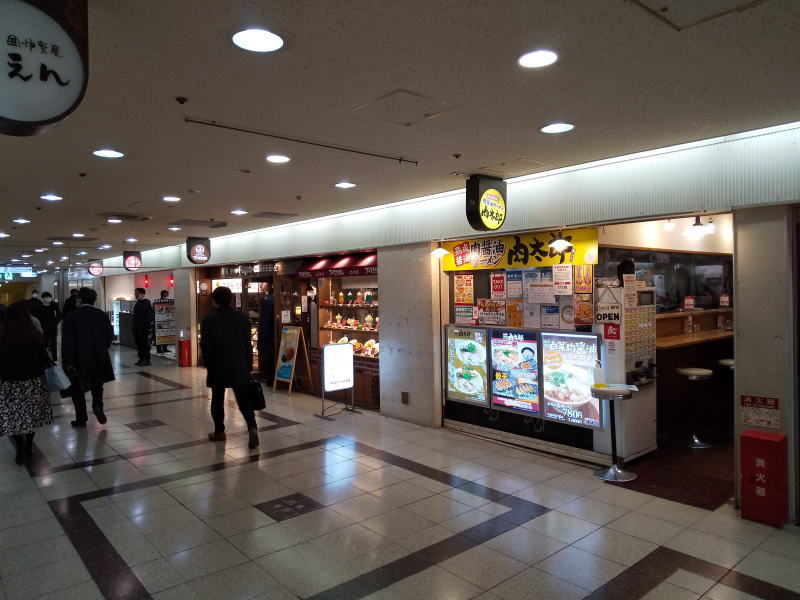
{"x": 625, "y": 317}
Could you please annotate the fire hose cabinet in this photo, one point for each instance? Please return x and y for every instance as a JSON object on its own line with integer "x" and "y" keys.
{"x": 764, "y": 489}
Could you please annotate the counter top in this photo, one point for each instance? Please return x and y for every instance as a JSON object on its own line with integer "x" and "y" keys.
{"x": 686, "y": 313}
{"x": 677, "y": 341}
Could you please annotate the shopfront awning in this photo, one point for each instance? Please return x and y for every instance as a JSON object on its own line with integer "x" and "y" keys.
{"x": 348, "y": 265}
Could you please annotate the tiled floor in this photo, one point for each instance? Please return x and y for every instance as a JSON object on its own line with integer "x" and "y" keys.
{"x": 359, "y": 507}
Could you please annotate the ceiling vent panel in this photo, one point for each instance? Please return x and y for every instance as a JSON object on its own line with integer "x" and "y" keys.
{"x": 515, "y": 167}
{"x": 124, "y": 217}
{"x": 404, "y": 107}
{"x": 199, "y": 223}
{"x": 682, "y": 14}
{"x": 267, "y": 214}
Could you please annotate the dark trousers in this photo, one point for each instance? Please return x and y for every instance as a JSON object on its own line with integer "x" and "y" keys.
{"x": 141, "y": 335}
{"x": 242, "y": 394}
{"x": 79, "y": 400}
{"x": 266, "y": 364}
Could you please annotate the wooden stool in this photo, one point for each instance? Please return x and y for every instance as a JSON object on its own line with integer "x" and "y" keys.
{"x": 694, "y": 374}
{"x": 614, "y": 472}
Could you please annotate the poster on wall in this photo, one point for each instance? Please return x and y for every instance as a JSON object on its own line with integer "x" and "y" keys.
{"x": 514, "y": 314}
{"x": 760, "y": 411}
{"x": 562, "y": 280}
{"x": 464, "y": 291}
{"x": 491, "y": 312}
{"x": 583, "y": 306}
{"x": 531, "y": 316}
{"x": 551, "y": 316}
{"x": 466, "y": 365}
{"x": 539, "y": 287}
{"x": 515, "y": 371}
{"x": 514, "y": 284}
{"x": 164, "y": 321}
{"x": 465, "y": 315}
{"x": 582, "y": 279}
{"x": 629, "y": 287}
{"x": 568, "y": 362}
{"x": 235, "y": 285}
{"x": 498, "y": 281}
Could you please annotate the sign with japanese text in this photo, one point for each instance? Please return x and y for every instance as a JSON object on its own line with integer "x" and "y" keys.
{"x": 514, "y": 313}
{"x": 165, "y": 321}
{"x": 491, "y": 312}
{"x": 523, "y": 250}
{"x": 486, "y": 202}
{"x": 568, "y": 362}
{"x": 465, "y": 315}
{"x": 337, "y": 367}
{"x": 132, "y": 260}
{"x": 96, "y": 269}
{"x": 514, "y": 284}
{"x": 466, "y": 365}
{"x": 198, "y": 250}
{"x": 498, "y": 286}
{"x": 611, "y": 331}
{"x": 688, "y": 303}
{"x": 46, "y": 57}
{"x": 629, "y": 287}
{"x": 515, "y": 371}
{"x": 551, "y": 316}
{"x": 234, "y": 285}
{"x": 582, "y": 279}
{"x": 760, "y": 411}
{"x": 464, "y": 291}
{"x": 562, "y": 280}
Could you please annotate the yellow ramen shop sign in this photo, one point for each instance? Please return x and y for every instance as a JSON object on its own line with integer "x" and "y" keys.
{"x": 522, "y": 250}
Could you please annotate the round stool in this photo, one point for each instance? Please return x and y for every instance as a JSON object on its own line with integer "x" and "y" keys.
{"x": 614, "y": 472}
{"x": 695, "y": 374}
{"x": 727, "y": 362}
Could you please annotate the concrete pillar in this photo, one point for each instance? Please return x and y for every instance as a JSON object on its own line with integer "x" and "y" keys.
{"x": 765, "y": 309}
{"x": 410, "y": 288}
{"x": 185, "y": 296}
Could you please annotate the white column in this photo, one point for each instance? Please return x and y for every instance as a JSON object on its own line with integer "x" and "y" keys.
{"x": 185, "y": 295}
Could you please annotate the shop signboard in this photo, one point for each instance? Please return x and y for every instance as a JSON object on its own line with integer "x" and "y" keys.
{"x": 486, "y": 202}
{"x": 513, "y": 284}
{"x": 464, "y": 315}
{"x": 522, "y": 250}
{"x": 165, "y": 321}
{"x": 287, "y": 353}
{"x": 337, "y": 367}
{"x": 46, "y": 52}
{"x": 515, "y": 371}
{"x": 514, "y": 313}
{"x": 132, "y": 260}
{"x": 562, "y": 280}
{"x": 491, "y": 312}
{"x": 464, "y": 292}
{"x": 466, "y": 365}
{"x": 608, "y": 312}
{"x": 498, "y": 285}
{"x": 235, "y": 285}
{"x": 568, "y": 363}
{"x": 611, "y": 331}
{"x": 582, "y": 279}
{"x": 198, "y": 250}
{"x": 96, "y": 269}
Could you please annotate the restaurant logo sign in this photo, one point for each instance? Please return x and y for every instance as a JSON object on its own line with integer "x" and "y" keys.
{"x": 96, "y": 269}
{"x": 132, "y": 260}
{"x": 486, "y": 202}
{"x": 45, "y": 51}
{"x": 523, "y": 250}
{"x": 198, "y": 250}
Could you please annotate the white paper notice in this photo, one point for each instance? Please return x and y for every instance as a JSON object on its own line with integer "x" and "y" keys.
{"x": 551, "y": 316}
{"x": 532, "y": 316}
{"x": 562, "y": 280}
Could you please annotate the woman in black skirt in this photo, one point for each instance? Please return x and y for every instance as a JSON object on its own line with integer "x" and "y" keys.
{"x": 24, "y": 399}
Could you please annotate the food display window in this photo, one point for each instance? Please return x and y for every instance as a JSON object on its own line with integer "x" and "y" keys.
{"x": 515, "y": 371}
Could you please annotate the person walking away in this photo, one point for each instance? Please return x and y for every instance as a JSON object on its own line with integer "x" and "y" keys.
{"x": 49, "y": 316}
{"x": 24, "y": 400}
{"x": 143, "y": 316}
{"x": 70, "y": 303}
{"x": 228, "y": 357}
{"x": 85, "y": 340}
{"x": 161, "y": 349}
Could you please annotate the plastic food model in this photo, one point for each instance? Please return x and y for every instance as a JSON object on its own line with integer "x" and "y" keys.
{"x": 369, "y": 320}
{"x": 341, "y": 298}
{"x": 368, "y": 297}
{"x": 350, "y": 297}
{"x": 351, "y": 321}
{"x": 338, "y": 319}
{"x": 359, "y": 298}
{"x": 343, "y": 340}
{"x": 377, "y": 322}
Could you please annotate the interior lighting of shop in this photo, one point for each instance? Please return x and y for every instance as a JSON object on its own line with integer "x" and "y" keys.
{"x": 278, "y": 159}
{"x": 50, "y": 262}
{"x": 560, "y": 244}
{"x": 257, "y": 40}
{"x": 51, "y": 197}
{"x": 114, "y": 220}
{"x": 108, "y": 153}
{"x": 696, "y": 230}
{"x": 439, "y": 252}
{"x": 171, "y": 198}
{"x": 21, "y": 221}
{"x": 710, "y": 228}
{"x": 344, "y": 185}
{"x": 3, "y": 234}
{"x": 26, "y": 255}
{"x": 131, "y": 240}
{"x": 40, "y": 250}
{"x": 81, "y": 253}
{"x": 669, "y": 225}
{"x": 537, "y": 59}
{"x": 557, "y": 127}
{"x": 238, "y": 212}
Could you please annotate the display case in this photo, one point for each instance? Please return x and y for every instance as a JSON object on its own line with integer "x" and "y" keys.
{"x": 349, "y": 313}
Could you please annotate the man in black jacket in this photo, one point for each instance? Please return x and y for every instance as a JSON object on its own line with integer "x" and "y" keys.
{"x": 85, "y": 341}
{"x": 143, "y": 316}
{"x": 228, "y": 356}
{"x": 49, "y": 316}
{"x": 70, "y": 303}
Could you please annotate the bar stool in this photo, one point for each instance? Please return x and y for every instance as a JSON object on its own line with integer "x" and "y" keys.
{"x": 694, "y": 374}
{"x": 614, "y": 472}
{"x": 727, "y": 362}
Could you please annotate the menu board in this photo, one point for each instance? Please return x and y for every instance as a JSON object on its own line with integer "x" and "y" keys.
{"x": 568, "y": 362}
{"x": 515, "y": 371}
{"x": 463, "y": 292}
{"x": 491, "y": 312}
{"x": 514, "y": 313}
{"x": 466, "y": 365}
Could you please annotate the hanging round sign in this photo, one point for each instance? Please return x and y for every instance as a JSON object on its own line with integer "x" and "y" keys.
{"x": 486, "y": 202}
{"x": 132, "y": 261}
{"x": 96, "y": 269}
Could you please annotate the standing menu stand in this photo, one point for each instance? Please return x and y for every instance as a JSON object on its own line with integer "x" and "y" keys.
{"x": 337, "y": 374}
{"x": 292, "y": 343}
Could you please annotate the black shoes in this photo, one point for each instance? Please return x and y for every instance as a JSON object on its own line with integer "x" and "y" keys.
{"x": 252, "y": 438}
{"x": 78, "y": 423}
{"x": 101, "y": 416}
{"x": 143, "y": 363}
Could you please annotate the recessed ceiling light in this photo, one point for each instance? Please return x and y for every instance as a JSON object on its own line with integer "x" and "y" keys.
{"x": 537, "y": 59}
{"x": 257, "y": 40}
{"x": 81, "y": 253}
{"x": 78, "y": 235}
{"x": 51, "y": 197}
{"x": 50, "y": 262}
{"x": 108, "y": 153}
{"x": 21, "y": 221}
{"x": 171, "y": 198}
{"x": 557, "y": 128}
{"x": 78, "y": 263}
{"x": 104, "y": 247}
{"x": 278, "y": 159}
{"x": 114, "y": 220}
{"x": 131, "y": 240}
{"x": 26, "y": 255}
{"x": 344, "y": 185}
{"x": 14, "y": 260}
{"x": 4, "y": 234}
{"x": 40, "y": 250}
{"x": 238, "y": 212}
{"x": 58, "y": 243}
{"x": 173, "y": 228}
{"x": 63, "y": 258}
{"x": 57, "y": 268}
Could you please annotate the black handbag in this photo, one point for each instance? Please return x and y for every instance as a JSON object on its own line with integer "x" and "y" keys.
{"x": 257, "y": 396}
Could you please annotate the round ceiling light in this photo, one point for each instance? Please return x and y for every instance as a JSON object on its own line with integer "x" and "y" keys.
{"x": 81, "y": 253}
{"x": 104, "y": 247}
{"x": 537, "y": 59}
{"x": 77, "y": 235}
{"x": 40, "y": 250}
{"x": 131, "y": 240}
{"x": 557, "y": 127}
{"x": 58, "y": 243}
{"x": 171, "y": 198}
{"x": 238, "y": 212}
{"x": 278, "y": 159}
{"x": 258, "y": 40}
{"x": 345, "y": 185}
{"x": 26, "y": 255}
{"x": 21, "y": 221}
{"x": 108, "y": 153}
{"x": 51, "y": 197}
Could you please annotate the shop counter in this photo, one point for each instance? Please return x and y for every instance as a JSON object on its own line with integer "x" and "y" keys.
{"x": 689, "y": 339}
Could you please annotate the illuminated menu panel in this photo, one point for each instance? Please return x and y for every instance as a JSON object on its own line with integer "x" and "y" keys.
{"x": 568, "y": 362}
{"x": 466, "y": 365}
{"x": 515, "y": 371}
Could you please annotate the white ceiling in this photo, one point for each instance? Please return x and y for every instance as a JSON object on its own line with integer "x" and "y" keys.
{"x": 627, "y": 79}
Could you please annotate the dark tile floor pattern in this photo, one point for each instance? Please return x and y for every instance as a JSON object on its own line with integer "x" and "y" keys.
{"x": 287, "y": 507}
{"x": 145, "y": 424}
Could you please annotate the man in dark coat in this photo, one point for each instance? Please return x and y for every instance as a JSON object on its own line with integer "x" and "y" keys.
{"x": 228, "y": 357}
{"x": 70, "y": 303}
{"x": 49, "y": 317}
{"x": 85, "y": 341}
{"x": 143, "y": 315}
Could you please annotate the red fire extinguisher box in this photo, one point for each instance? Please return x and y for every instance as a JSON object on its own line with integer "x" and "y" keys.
{"x": 765, "y": 493}
{"x": 184, "y": 353}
